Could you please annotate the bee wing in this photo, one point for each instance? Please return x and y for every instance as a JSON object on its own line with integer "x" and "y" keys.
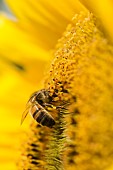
{"x": 25, "y": 113}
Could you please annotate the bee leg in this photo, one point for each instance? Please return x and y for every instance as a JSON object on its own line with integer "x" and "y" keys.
{"x": 63, "y": 106}
{"x": 49, "y": 107}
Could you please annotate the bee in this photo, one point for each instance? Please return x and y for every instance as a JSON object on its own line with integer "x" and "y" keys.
{"x": 36, "y": 107}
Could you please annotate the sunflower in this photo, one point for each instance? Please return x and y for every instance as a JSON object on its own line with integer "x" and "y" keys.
{"x": 29, "y": 34}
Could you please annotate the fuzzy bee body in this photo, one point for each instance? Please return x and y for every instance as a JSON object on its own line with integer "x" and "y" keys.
{"x": 35, "y": 107}
{"x": 41, "y": 115}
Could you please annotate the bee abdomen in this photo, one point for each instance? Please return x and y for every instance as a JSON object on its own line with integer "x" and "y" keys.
{"x": 47, "y": 120}
{"x": 42, "y": 116}
{"x": 35, "y": 113}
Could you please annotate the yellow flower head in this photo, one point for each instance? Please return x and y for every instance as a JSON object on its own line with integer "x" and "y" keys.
{"x": 79, "y": 80}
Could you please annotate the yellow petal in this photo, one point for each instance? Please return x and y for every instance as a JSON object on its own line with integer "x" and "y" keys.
{"x": 18, "y": 43}
{"x": 13, "y": 96}
{"x": 44, "y": 21}
{"x": 18, "y": 52}
{"x": 22, "y": 69}
{"x": 103, "y": 9}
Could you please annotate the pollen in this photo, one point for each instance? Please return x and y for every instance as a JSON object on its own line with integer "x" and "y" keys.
{"x": 80, "y": 84}
{"x": 82, "y": 74}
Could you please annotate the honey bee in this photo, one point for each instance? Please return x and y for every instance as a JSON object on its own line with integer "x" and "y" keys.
{"x": 36, "y": 107}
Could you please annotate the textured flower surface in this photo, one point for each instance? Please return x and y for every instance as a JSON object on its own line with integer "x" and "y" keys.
{"x": 79, "y": 79}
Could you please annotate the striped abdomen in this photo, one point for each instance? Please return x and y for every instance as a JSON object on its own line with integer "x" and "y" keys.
{"x": 42, "y": 116}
